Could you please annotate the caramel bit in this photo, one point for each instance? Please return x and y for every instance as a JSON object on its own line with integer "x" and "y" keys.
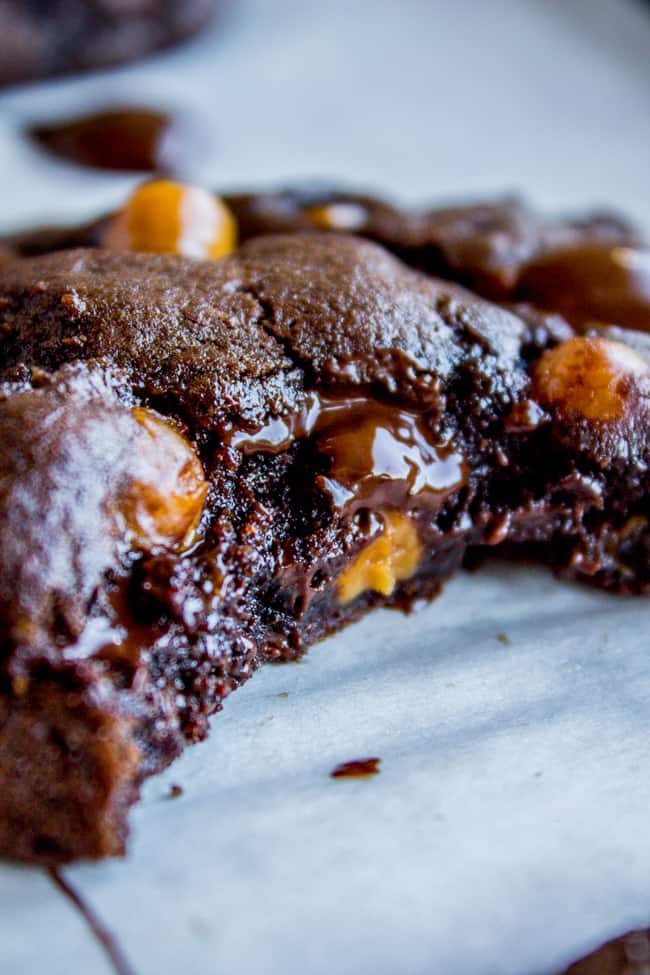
{"x": 595, "y": 378}
{"x": 389, "y": 559}
{"x": 164, "y": 217}
{"x": 164, "y": 506}
{"x": 592, "y": 283}
{"x": 20, "y": 685}
{"x": 337, "y": 216}
{"x": 358, "y": 768}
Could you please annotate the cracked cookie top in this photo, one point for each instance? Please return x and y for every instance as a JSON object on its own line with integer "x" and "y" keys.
{"x": 240, "y": 340}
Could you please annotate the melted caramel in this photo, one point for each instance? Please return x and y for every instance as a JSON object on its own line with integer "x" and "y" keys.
{"x": 379, "y": 453}
{"x": 594, "y": 283}
{"x": 164, "y": 217}
{"x": 389, "y": 559}
{"x": 382, "y": 457}
{"x": 163, "y": 506}
{"x": 383, "y": 453}
{"x": 595, "y": 378}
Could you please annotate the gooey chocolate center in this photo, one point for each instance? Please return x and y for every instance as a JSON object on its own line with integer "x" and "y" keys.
{"x": 381, "y": 456}
{"x": 378, "y": 452}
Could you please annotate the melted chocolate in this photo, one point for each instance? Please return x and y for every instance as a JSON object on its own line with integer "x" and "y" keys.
{"x": 593, "y": 283}
{"x": 120, "y": 638}
{"x": 124, "y": 139}
{"x": 627, "y": 955}
{"x": 107, "y": 941}
{"x": 359, "y": 768}
{"x": 379, "y": 452}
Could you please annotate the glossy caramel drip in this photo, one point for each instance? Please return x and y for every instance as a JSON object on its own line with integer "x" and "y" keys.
{"x": 165, "y": 217}
{"x": 595, "y": 378}
{"x": 164, "y": 504}
{"x": 387, "y": 560}
{"x": 122, "y": 138}
{"x": 593, "y": 283}
{"x": 379, "y": 452}
{"x": 383, "y": 454}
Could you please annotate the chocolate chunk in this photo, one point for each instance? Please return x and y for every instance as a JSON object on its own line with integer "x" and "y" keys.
{"x": 126, "y": 138}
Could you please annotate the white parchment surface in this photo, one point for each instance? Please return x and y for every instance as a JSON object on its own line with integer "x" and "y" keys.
{"x": 508, "y": 830}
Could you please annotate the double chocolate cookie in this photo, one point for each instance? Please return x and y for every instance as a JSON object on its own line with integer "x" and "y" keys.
{"x": 40, "y": 39}
{"x": 207, "y": 464}
{"x": 588, "y": 268}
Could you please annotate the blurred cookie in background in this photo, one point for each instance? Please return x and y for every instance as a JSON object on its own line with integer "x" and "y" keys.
{"x": 628, "y": 955}
{"x": 40, "y": 39}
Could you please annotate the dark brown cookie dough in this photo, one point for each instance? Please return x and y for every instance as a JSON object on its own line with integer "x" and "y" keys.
{"x": 64, "y": 36}
{"x": 238, "y": 340}
{"x": 483, "y": 245}
{"x": 588, "y": 267}
{"x": 335, "y": 431}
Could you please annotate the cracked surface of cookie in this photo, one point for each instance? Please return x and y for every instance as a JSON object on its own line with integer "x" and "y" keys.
{"x": 360, "y": 428}
{"x": 485, "y": 245}
{"x": 239, "y": 338}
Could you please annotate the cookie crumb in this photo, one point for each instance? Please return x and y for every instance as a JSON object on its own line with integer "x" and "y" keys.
{"x": 357, "y": 769}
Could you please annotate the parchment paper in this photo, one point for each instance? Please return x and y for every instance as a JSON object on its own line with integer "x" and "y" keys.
{"x": 507, "y": 831}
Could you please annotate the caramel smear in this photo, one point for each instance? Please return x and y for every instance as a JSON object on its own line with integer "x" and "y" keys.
{"x": 389, "y": 559}
{"x": 358, "y": 768}
{"x": 592, "y": 377}
{"x": 163, "y": 505}
{"x": 164, "y": 217}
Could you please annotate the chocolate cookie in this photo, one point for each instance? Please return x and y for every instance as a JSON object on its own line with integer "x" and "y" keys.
{"x": 587, "y": 268}
{"x": 43, "y": 39}
{"x": 209, "y": 464}
{"x": 483, "y": 245}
